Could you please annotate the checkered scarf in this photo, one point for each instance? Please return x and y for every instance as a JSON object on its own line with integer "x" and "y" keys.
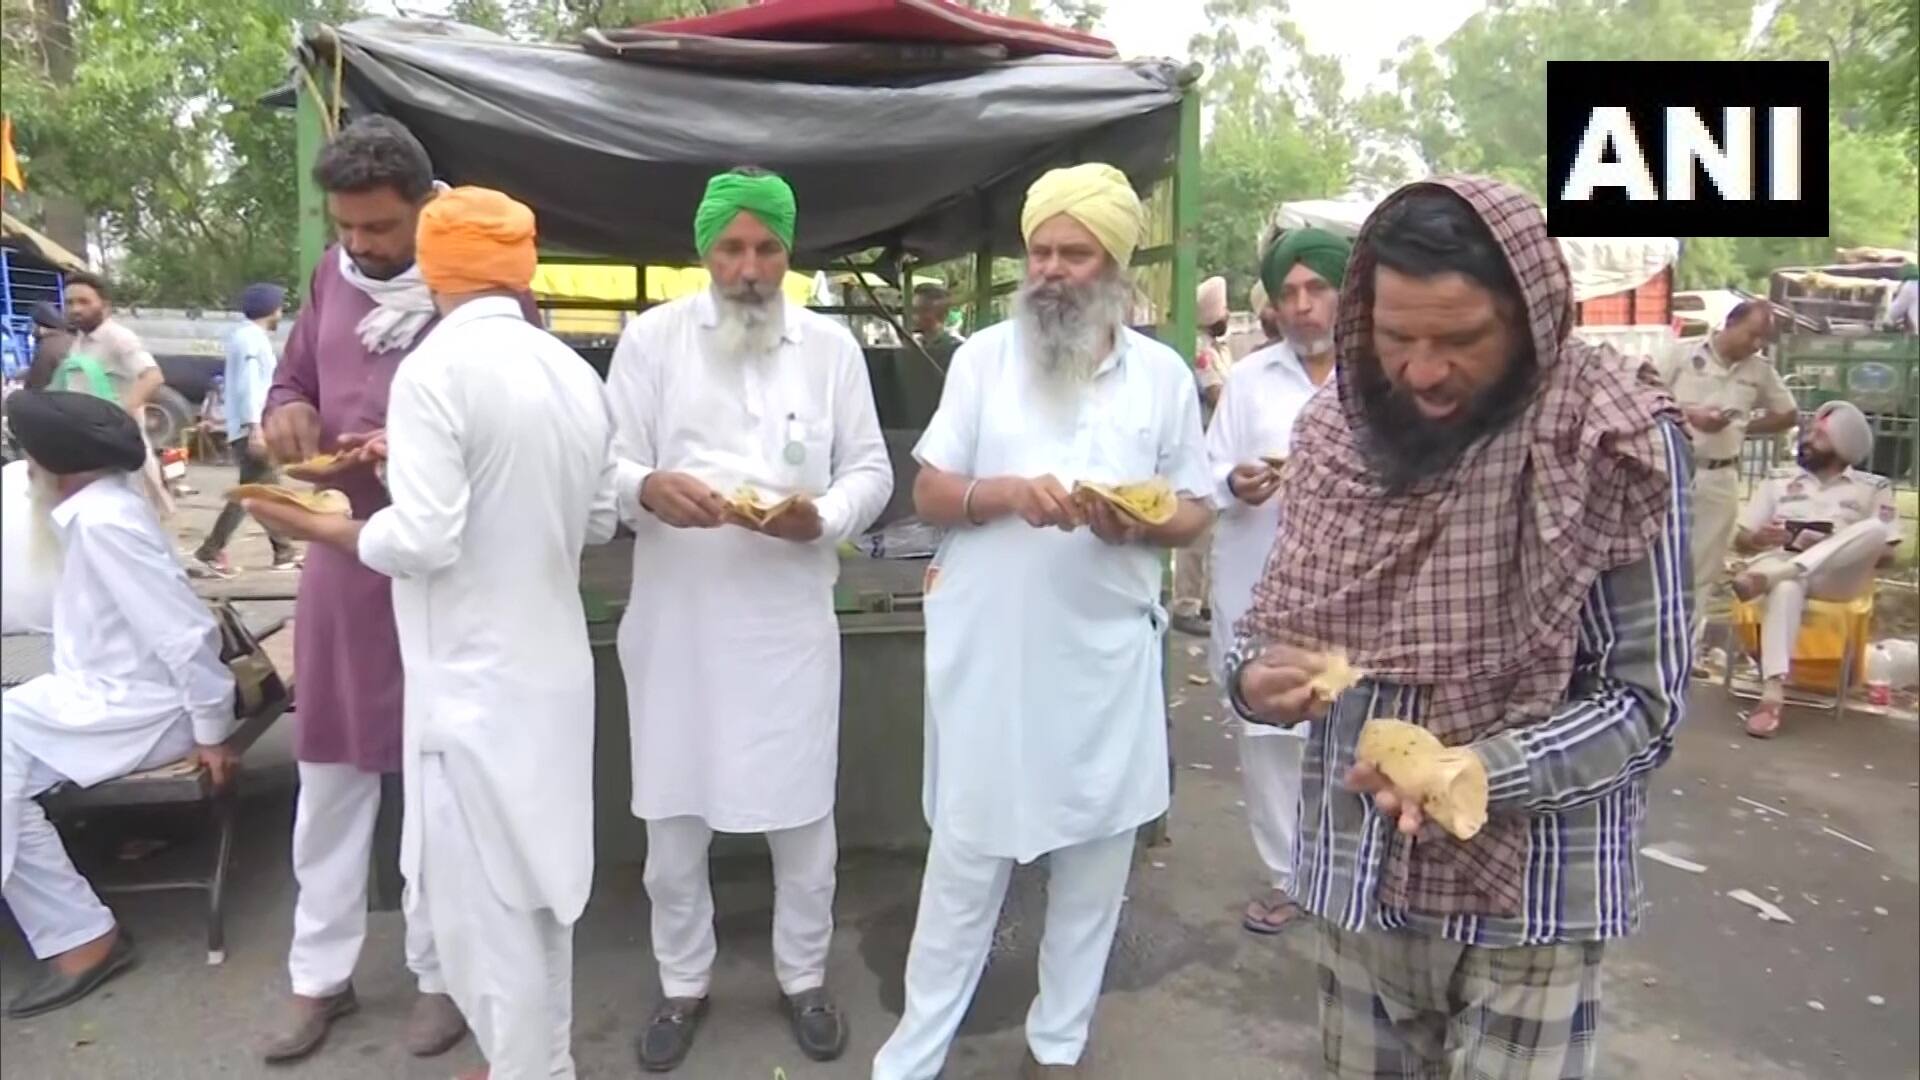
{"x": 1468, "y": 584}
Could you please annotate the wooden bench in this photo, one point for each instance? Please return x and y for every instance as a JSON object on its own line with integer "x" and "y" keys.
{"x": 178, "y": 784}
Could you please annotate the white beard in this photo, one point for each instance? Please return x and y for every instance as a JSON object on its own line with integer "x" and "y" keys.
{"x": 1066, "y": 332}
{"x": 44, "y": 554}
{"x": 1304, "y": 347}
{"x": 751, "y": 322}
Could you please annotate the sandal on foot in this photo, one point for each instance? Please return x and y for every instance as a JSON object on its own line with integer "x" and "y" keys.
{"x": 1764, "y": 722}
{"x": 1271, "y": 914}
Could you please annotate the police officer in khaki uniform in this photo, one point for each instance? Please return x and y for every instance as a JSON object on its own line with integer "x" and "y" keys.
{"x": 1816, "y": 528}
{"x": 1728, "y": 392}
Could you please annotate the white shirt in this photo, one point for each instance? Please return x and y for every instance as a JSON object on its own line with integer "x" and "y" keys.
{"x": 26, "y": 592}
{"x": 1791, "y": 493}
{"x": 1046, "y": 715}
{"x": 119, "y": 352}
{"x": 500, "y": 469}
{"x": 1258, "y": 406}
{"x": 135, "y": 652}
{"x": 729, "y": 644}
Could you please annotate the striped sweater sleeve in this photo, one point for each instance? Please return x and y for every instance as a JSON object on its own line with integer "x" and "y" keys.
{"x": 1632, "y": 664}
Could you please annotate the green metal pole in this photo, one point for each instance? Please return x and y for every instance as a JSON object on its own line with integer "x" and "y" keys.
{"x": 982, "y": 287}
{"x": 1186, "y": 210}
{"x": 1186, "y": 214}
{"x": 310, "y": 134}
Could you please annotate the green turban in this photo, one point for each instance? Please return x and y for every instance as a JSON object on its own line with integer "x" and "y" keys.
{"x": 1322, "y": 252}
{"x": 1910, "y": 272}
{"x": 765, "y": 196}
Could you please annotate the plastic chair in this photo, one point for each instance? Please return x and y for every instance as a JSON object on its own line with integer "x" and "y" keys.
{"x": 1829, "y": 655}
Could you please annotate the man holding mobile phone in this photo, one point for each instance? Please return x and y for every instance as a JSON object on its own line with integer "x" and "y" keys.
{"x": 1727, "y": 391}
{"x": 1816, "y": 528}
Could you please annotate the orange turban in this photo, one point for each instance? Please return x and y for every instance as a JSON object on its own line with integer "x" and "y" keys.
{"x": 475, "y": 239}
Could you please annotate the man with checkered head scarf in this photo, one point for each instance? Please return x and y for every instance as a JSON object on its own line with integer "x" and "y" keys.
{"x": 1487, "y": 519}
{"x": 1046, "y": 713}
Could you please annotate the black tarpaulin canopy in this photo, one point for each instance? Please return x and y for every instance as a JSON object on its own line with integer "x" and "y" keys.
{"x": 613, "y": 152}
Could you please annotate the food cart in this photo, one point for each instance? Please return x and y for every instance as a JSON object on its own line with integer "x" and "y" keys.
{"x": 909, "y": 145}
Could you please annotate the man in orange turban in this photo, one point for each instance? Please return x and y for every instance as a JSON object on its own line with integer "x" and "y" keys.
{"x": 500, "y": 470}
{"x": 475, "y": 241}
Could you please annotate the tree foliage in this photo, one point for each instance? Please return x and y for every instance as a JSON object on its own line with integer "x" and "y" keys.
{"x": 187, "y": 181}
{"x": 1278, "y": 127}
{"x": 1473, "y": 102}
{"x": 144, "y": 115}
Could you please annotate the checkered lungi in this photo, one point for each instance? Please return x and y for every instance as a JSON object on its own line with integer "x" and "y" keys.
{"x": 1417, "y": 1007}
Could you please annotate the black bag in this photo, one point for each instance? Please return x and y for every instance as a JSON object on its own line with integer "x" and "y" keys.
{"x": 257, "y": 687}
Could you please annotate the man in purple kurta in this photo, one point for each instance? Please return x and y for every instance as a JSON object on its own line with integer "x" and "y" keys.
{"x": 366, "y": 307}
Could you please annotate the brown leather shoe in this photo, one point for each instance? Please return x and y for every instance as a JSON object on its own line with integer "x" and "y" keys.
{"x": 435, "y": 1027}
{"x": 304, "y": 1027}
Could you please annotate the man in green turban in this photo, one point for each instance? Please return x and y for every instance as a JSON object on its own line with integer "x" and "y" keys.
{"x": 747, "y": 449}
{"x": 1252, "y": 431}
{"x": 1303, "y": 270}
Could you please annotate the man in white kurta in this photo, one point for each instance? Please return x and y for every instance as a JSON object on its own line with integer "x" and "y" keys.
{"x": 1252, "y": 431}
{"x": 1046, "y": 715}
{"x": 729, "y": 645}
{"x": 137, "y": 680}
{"x": 498, "y": 457}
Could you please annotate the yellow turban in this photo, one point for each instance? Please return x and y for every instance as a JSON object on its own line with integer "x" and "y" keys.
{"x": 1097, "y": 196}
{"x": 475, "y": 239}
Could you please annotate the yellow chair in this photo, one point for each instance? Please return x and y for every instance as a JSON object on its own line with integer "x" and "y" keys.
{"x": 1829, "y": 655}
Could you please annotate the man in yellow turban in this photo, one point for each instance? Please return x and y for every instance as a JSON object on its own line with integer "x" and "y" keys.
{"x": 1046, "y": 718}
{"x": 500, "y": 467}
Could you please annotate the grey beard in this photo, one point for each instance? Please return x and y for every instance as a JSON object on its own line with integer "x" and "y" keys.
{"x": 1305, "y": 347}
{"x": 1067, "y": 330}
{"x": 44, "y": 554}
{"x": 752, "y": 320}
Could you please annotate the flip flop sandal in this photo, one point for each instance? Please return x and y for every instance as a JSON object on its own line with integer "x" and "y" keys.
{"x": 1763, "y": 723}
{"x": 1265, "y": 923}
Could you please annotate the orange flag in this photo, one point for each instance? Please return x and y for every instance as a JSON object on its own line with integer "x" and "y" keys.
{"x": 9, "y": 164}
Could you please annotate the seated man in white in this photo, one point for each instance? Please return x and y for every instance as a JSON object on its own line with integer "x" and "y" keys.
{"x": 137, "y": 679}
{"x": 1816, "y": 528}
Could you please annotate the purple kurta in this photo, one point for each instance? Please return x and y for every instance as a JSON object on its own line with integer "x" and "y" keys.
{"x": 346, "y": 652}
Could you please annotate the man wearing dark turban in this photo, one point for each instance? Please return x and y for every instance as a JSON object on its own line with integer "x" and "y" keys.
{"x": 1486, "y": 517}
{"x": 52, "y": 340}
{"x": 137, "y": 681}
{"x": 251, "y": 360}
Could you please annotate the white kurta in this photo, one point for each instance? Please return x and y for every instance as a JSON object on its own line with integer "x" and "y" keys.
{"x": 729, "y": 643}
{"x": 1046, "y": 714}
{"x": 1258, "y": 406}
{"x": 135, "y": 652}
{"x": 500, "y": 472}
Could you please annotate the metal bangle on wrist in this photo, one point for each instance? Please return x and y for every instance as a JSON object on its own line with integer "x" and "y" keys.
{"x": 1235, "y": 662}
{"x": 966, "y": 503}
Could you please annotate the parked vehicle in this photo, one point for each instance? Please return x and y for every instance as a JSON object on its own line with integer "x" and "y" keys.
{"x": 190, "y": 346}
